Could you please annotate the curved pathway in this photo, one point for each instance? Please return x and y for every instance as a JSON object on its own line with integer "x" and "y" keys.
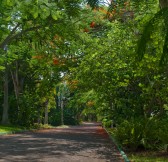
{"x": 85, "y": 143}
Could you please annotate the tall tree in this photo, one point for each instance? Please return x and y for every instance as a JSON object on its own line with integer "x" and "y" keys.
{"x": 18, "y": 23}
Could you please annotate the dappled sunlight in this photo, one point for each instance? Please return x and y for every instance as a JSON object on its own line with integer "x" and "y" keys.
{"x": 77, "y": 142}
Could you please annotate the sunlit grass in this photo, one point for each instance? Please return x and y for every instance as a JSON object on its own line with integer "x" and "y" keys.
{"x": 41, "y": 126}
{"x": 8, "y": 129}
{"x": 63, "y": 126}
{"x": 148, "y": 157}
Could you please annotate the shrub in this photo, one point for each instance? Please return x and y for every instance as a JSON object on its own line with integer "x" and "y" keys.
{"x": 107, "y": 123}
{"x": 147, "y": 133}
{"x": 129, "y": 134}
{"x": 163, "y": 134}
{"x": 40, "y": 126}
{"x": 150, "y": 138}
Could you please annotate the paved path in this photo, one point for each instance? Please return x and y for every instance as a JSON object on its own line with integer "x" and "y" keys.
{"x": 85, "y": 143}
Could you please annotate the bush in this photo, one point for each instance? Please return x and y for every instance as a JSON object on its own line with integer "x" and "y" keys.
{"x": 107, "y": 123}
{"x": 41, "y": 126}
{"x": 146, "y": 133}
{"x": 163, "y": 134}
{"x": 150, "y": 138}
{"x": 155, "y": 134}
{"x": 129, "y": 134}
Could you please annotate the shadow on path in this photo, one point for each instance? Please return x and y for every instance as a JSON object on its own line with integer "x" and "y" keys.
{"x": 85, "y": 143}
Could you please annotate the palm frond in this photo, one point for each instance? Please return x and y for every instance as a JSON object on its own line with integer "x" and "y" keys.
{"x": 148, "y": 30}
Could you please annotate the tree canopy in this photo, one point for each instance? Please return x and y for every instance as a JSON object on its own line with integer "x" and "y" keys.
{"x": 66, "y": 61}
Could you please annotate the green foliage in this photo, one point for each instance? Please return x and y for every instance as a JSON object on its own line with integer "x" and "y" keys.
{"x": 159, "y": 19}
{"x": 142, "y": 133}
{"x": 30, "y": 39}
{"x": 147, "y": 156}
{"x": 96, "y": 50}
{"x": 40, "y": 126}
{"x": 163, "y": 135}
{"x": 26, "y": 115}
{"x": 129, "y": 133}
{"x": 55, "y": 117}
{"x": 107, "y": 123}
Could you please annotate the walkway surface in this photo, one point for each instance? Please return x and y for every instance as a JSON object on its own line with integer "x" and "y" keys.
{"x": 85, "y": 143}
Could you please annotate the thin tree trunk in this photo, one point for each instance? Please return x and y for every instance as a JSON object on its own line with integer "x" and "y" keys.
{"x": 5, "y": 118}
{"x": 18, "y": 85}
{"x": 39, "y": 116}
{"x": 15, "y": 79}
{"x": 46, "y": 112}
{"x": 62, "y": 112}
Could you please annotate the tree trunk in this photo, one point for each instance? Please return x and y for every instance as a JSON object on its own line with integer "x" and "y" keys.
{"x": 18, "y": 82}
{"x": 5, "y": 119}
{"x": 163, "y": 3}
{"x": 39, "y": 115}
{"x": 15, "y": 79}
{"x": 46, "y": 112}
{"x": 62, "y": 112}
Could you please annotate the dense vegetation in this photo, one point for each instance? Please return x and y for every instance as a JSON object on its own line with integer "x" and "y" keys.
{"x": 64, "y": 61}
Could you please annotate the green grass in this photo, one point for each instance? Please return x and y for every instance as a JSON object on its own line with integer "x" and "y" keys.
{"x": 63, "y": 126}
{"x": 148, "y": 157}
{"x": 8, "y": 129}
{"x": 41, "y": 126}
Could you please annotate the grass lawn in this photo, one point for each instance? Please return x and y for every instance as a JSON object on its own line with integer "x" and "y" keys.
{"x": 148, "y": 157}
{"x": 8, "y": 129}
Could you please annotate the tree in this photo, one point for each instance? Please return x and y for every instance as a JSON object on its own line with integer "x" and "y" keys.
{"x": 163, "y": 3}
{"x": 131, "y": 93}
{"x": 19, "y": 24}
{"x": 5, "y": 117}
{"x": 158, "y": 18}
